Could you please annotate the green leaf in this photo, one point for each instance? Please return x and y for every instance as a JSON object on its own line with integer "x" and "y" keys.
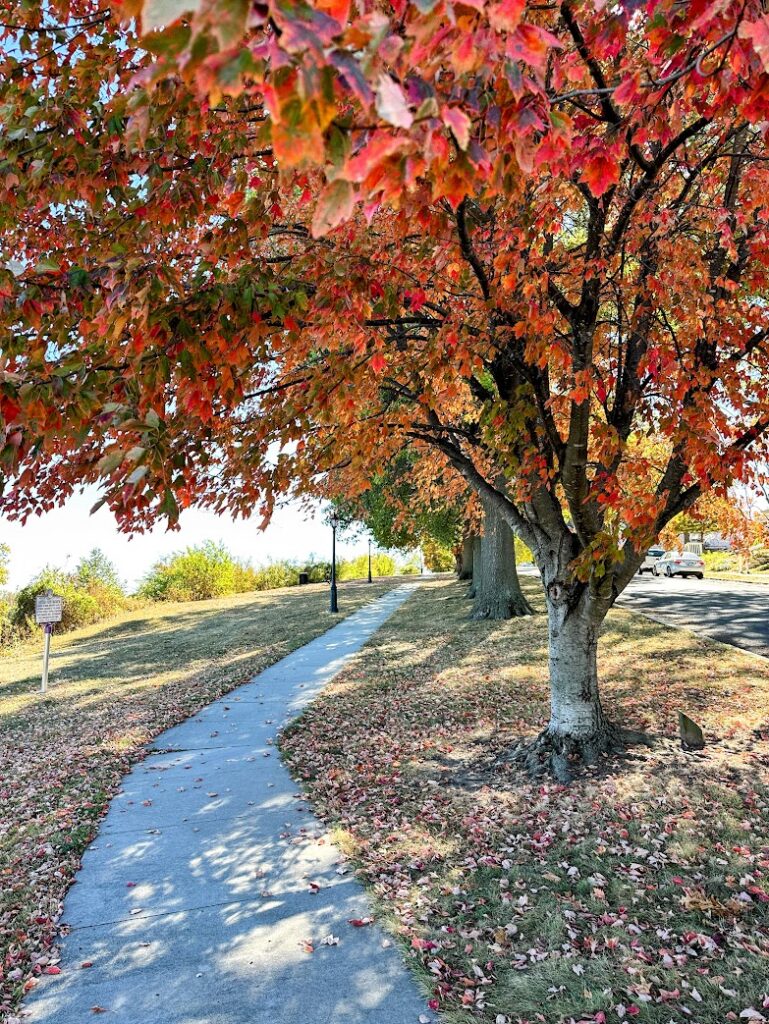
{"x": 46, "y": 265}
{"x": 110, "y": 462}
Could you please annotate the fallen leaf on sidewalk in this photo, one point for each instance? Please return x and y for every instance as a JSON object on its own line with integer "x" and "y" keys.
{"x": 360, "y": 922}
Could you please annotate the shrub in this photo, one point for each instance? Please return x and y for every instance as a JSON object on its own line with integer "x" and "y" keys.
{"x": 357, "y": 568}
{"x": 759, "y": 559}
{"x": 722, "y": 561}
{"x": 274, "y": 575}
{"x": 195, "y": 574}
{"x": 85, "y": 601}
{"x": 317, "y": 572}
{"x": 438, "y": 557}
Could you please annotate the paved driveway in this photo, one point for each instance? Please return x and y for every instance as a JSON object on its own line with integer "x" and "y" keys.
{"x": 737, "y": 613}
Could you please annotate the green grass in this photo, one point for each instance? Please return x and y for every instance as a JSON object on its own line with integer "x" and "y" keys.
{"x": 739, "y": 577}
{"x": 641, "y": 892}
{"x": 112, "y": 689}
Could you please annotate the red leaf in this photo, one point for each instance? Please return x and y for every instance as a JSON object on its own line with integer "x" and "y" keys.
{"x": 506, "y": 16}
{"x": 381, "y": 146}
{"x": 52, "y": 970}
{"x": 336, "y": 203}
{"x": 758, "y": 33}
{"x": 601, "y": 171}
{"x": 360, "y": 922}
{"x": 378, "y": 362}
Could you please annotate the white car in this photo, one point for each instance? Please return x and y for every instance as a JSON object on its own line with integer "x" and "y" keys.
{"x": 652, "y": 557}
{"x": 679, "y": 563}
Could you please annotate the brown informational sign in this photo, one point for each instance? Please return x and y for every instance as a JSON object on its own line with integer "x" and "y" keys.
{"x": 48, "y": 608}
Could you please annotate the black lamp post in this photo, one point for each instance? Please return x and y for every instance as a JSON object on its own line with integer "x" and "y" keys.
{"x": 334, "y": 520}
{"x": 369, "y": 560}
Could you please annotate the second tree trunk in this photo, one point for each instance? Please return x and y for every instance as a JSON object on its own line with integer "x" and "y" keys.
{"x": 497, "y": 591}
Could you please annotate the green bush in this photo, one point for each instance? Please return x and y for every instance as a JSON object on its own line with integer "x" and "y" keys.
{"x": 722, "y": 561}
{"x": 195, "y": 574}
{"x": 438, "y": 557}
{"x": 89, "y": 596}
{"x": 275, "y": 575}
{"x": 357, "y": 568}
{"x": 759, "y": 559}
{"x": 317, "y": 572}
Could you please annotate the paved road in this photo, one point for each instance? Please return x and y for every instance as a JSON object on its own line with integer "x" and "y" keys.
{"x": 737, "y": 613}
{"x": 210, "y": 874}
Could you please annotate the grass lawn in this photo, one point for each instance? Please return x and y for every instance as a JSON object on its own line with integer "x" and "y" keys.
{"x": 112, "y": 689}
{"x": 739, "y": 577}
{"x": 637, "y": 894}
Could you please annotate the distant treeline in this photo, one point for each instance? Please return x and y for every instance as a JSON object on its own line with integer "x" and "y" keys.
{"x": 93, "y": 592}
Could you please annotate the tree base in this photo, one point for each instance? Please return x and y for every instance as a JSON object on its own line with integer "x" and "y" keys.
{"x": 563, "y": 757}
{"x": 499, "y": 610}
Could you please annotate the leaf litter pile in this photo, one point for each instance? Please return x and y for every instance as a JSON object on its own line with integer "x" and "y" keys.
{"x": 112, "y": 690}
{"x": 639, "y": 893}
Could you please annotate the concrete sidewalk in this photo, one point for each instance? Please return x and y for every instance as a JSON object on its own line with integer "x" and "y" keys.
{"x": 211, "y": 881}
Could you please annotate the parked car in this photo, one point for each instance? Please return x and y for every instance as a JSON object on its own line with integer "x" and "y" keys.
{"x": 652, "y": 556}
{"x": 679, "y": 563}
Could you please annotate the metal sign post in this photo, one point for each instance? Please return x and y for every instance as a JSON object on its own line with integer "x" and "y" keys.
{"x": 48, "y": 609}
{"x": 46, "y": 656}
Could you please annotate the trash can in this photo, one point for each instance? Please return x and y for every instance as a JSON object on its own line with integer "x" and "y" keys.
{"x": 303, "y": 578}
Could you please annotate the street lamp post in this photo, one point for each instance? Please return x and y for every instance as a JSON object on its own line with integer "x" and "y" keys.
{"x": 334, "y": 520}
{"x": 369, "y": 560}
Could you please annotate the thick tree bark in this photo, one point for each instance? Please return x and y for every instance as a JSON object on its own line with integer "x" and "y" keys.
{"x": 477, "y": 566}
{"x": 465, "y": 569}
{"x": 498, "y": 592}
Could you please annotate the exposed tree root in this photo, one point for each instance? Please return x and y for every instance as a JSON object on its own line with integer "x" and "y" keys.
{"x": 563, "y": 757}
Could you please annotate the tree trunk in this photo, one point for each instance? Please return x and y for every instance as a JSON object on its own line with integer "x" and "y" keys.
{"x": 576, "y": 715}
{"x": 465, "y": 569}
{"x": 477, "y": 566}
{"x": 578, "y": 731}
{"x": 498, "y": 592}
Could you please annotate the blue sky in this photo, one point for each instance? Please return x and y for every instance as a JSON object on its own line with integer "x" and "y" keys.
{"x": 61, "y": 538}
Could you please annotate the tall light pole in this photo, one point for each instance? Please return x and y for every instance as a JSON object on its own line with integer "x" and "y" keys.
{"x": 369, "y": 560}
{"x": 334, "y": 520}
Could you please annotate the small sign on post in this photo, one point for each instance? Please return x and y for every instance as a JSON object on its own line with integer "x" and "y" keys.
{"x": 48, "y": 610}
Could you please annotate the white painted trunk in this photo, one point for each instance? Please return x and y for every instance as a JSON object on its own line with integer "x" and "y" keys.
{"x": 576, "y": 715}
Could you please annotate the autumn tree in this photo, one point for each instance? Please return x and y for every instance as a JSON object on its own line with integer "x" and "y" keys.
{"x": 263, "y": 241}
